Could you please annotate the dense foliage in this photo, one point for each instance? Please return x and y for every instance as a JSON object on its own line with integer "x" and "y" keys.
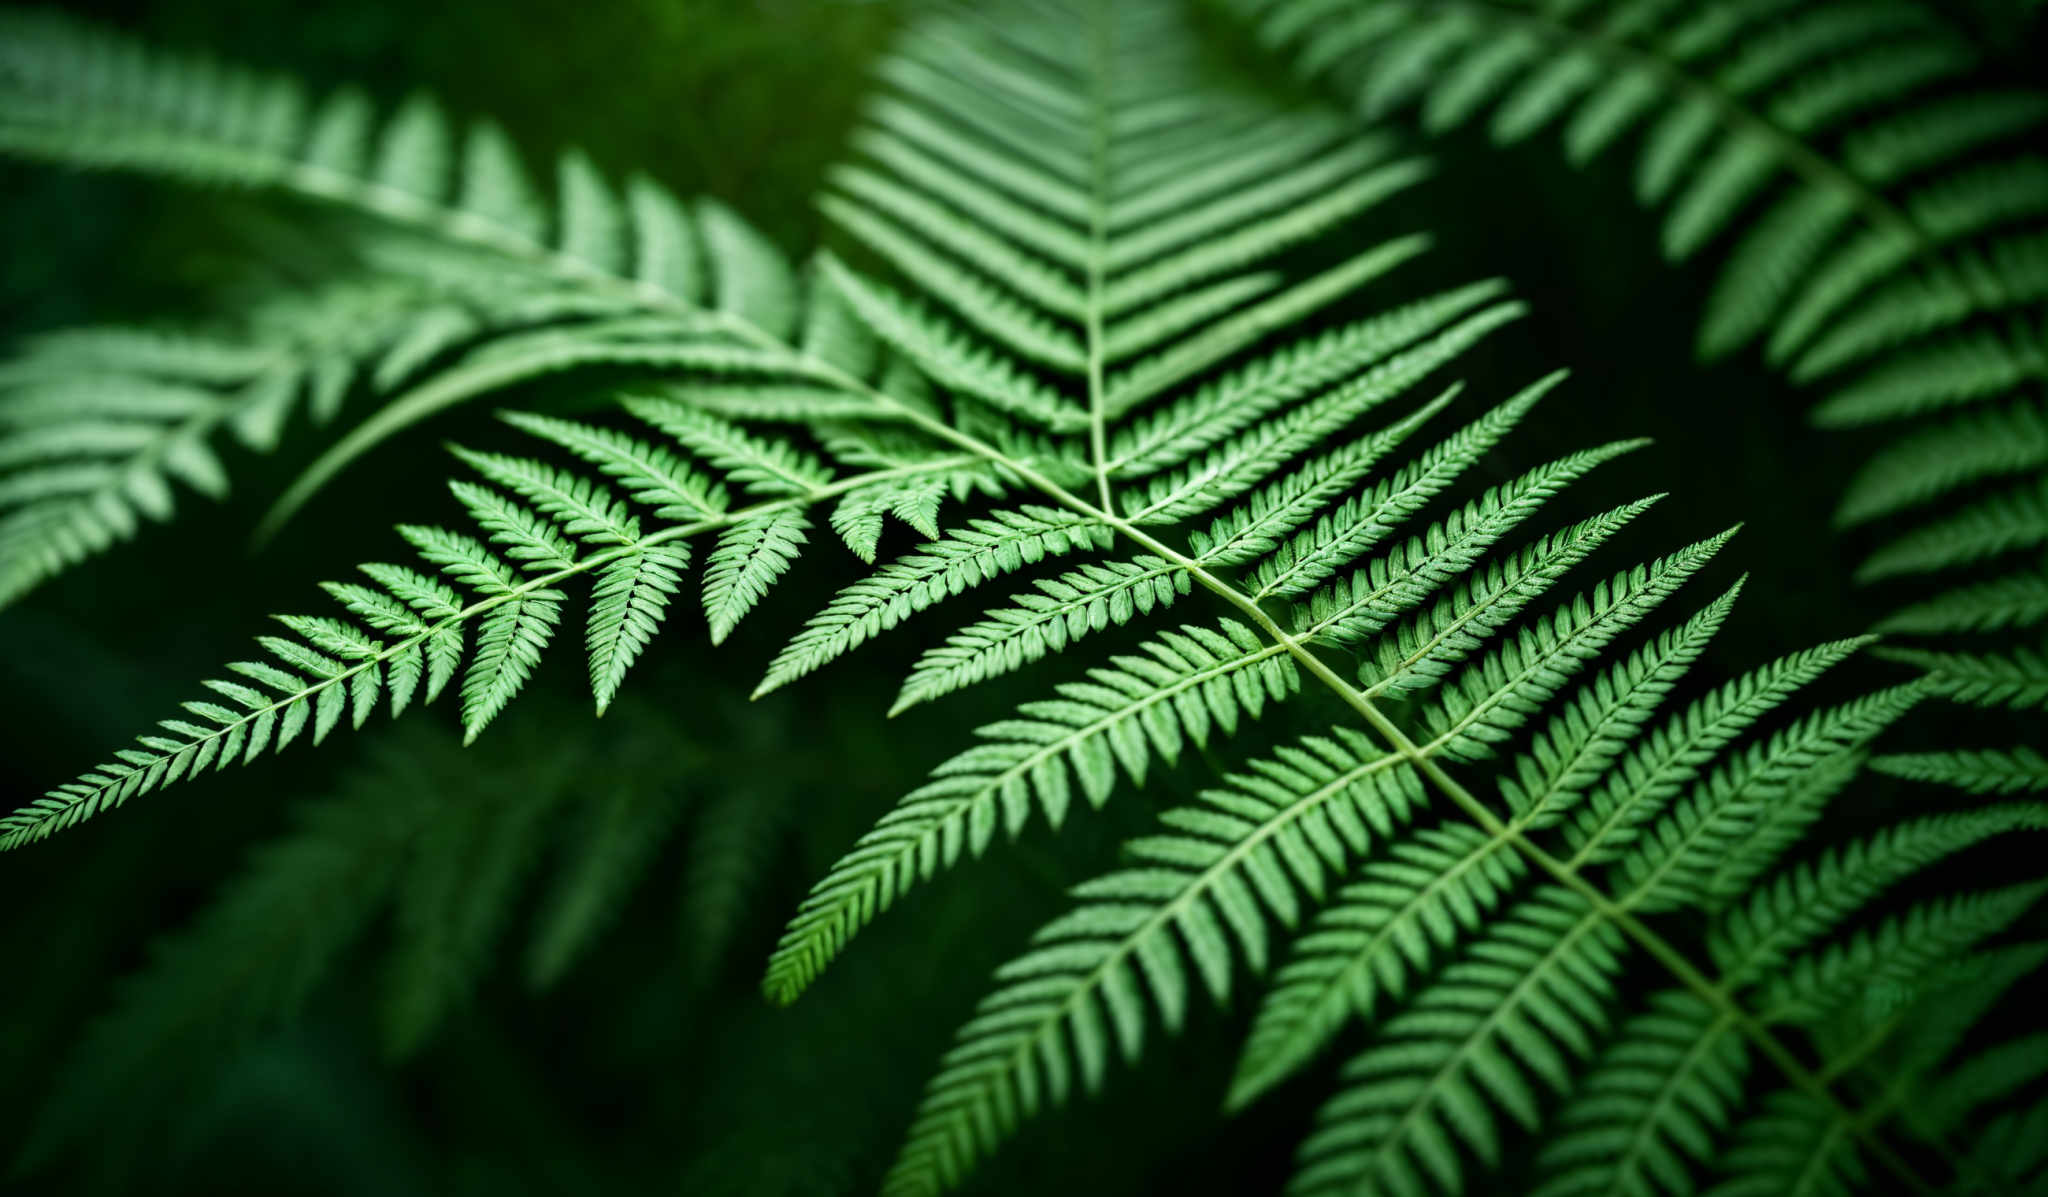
{"x": 1405, "y": 792}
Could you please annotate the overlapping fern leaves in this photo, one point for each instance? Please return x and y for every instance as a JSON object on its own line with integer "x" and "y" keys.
{"x": 1645, "y": 821}
{"x": 101, "y": 422}
{"x": 1091, "y": 291}
{"x": 1882, "y": 211}
{"x": 459, "y": 277}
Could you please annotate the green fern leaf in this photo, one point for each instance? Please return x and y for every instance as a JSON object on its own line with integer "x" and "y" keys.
{"x": 1096, "y": 298}
{"x": 1157, "y": 440}
{"x": 1644, "y": 780}
{"x": 1492, "y": 696}
{"x": 1205, "y": 888}
{"x": 1794, "y": 1145}
{"x": 1802, "y": 904}
{"x": 1671, "y": 864}
{"x": 1583, "y": 738}
{"x": 2018, "y": 680}
{"x": 1076, "y": 603}
{"x": 1380, "y": 932}
{"x": 627, "y": 602}
{"x": 1187, "y": 683}
{"x": 1872, "y": 964}
{"x": 984, "y": 550}
{"x": 1983, "y": 772}
{"x": 748, "y": 559}
{"x": 1519, "y": 1007}
{"x": 1654, "y": 1104}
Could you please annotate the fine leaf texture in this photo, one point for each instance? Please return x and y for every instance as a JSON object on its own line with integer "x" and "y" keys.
{"x": 1107, "y": 323}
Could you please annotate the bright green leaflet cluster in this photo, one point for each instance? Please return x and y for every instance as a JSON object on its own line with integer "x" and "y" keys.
{"x": 1086, "y": 293}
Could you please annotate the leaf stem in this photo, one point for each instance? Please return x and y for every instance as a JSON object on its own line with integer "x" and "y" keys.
{"x": 1098, "y": 249}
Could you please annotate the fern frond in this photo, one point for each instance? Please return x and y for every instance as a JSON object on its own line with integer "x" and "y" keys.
{"x": 516, "y": 284}
{"x": 1347, "y": 611}
{"x": 1641, "y": 783}
{"x": 77, "y": 95}
{"x": 1925, "y": 1044}
{"x": 2013, "y": 601}
{"x": 654, "y": 476}
{"x": 1882, "y": 213}
{"x": 1671, "y": 864}
{"x": 1874, "y": 965}
{"x": 2008, "y": 1152}
{"x": 750, "y": 556}
{"x": 1983, "y": 772}
{"x": 99, "y": 427}
{"x": 2018, "y": 679}
{"x": 1990, "y": 1076}
{"x": 2003, "y": 522}
{"x": 950, "y": 358}
{"x": 418, "y": 627}
{"x": 1176, "y": 431}
{"x": 1933, "y": 462}
{"x": 1527, "y": 998}
{"x": 982, "y": 551}
{"x": 1186, "y": 685}
{"x": 1083, "y": 290}
{"x": 1803, "y": 903}
{"x": 1231, "y": 468}
{"x": 1316, "y": 554}
{"x": 1204, "y": 888}
{"x": 1652, "y": 1106}
{"x": 1783, "y": 820}
{"x": 1583, "y": 738}
{"x": 1380, "y": 932}
{"x": 1794, "y": 1145}
{"x": 1080, "y": 601}
{"x": 1491, "y": 697}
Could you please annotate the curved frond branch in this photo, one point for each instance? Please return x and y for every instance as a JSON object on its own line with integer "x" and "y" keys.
{"x": 345, "y": 668}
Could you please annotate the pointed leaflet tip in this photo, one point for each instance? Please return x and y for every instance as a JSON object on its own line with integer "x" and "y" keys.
{"x": 1521, "y": 401}
{"x": 1422, "y": 415}
{"x": 1712, "y": 545}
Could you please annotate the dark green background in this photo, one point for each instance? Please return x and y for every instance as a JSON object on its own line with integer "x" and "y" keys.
{"x": 635, "y": 1071}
